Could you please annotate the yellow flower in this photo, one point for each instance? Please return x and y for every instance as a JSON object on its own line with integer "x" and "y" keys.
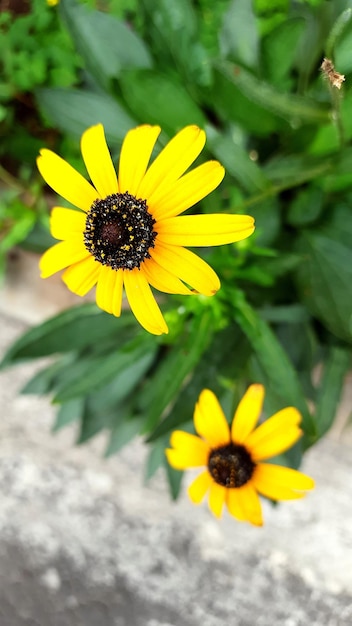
{"x": 52, "y": 3}
{"x": 128, "y": 232}
{"x": 233, "y": 456}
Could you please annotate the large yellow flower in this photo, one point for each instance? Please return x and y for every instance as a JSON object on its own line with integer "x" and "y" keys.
{"x": 233, "y": 456}
{"x": 128, "y": 232}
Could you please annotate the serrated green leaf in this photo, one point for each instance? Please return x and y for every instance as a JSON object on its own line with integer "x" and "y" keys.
{"x": 330, "y": 387}
{"x": 106, "y": 44}
{"x": 159, "y": 99}
{"x": 239, "y": 36}
{"x": 73, "y": 111}
{"x": 286, "y": 105}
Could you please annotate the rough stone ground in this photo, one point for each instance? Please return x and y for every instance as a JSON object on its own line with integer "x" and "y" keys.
{"x": 84, "y": 543}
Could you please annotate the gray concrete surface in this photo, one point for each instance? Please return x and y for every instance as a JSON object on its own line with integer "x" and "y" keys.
{"x": 84, "y": 543}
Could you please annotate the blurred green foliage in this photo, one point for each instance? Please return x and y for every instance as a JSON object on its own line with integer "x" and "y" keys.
{"x": 249, "y": 73}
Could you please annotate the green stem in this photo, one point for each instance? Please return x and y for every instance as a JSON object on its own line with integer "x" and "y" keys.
{"x": 10, "y": 180}
{"x": 275, "y": 189}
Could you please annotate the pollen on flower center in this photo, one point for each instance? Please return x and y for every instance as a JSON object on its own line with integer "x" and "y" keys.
{"x": 119, "y": 231}
{"x": 231, "y": 466}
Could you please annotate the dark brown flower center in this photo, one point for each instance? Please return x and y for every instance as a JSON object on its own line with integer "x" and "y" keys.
{"x": 231, "y": 465}
{"x": 119, "y": 231}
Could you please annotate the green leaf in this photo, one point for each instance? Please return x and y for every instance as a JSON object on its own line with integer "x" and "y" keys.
{"x": 222, "y": 362}
{"x": 68, "y": 413}
{"x": 123, "y": 432}
{"x": 43, "y": 382}
{"x": 73, "y": 111}
{"x": 342, "y": 24}
{"x": 267, "y": 217}
{"x": 174, "y": 21}
{"x": 292, "y": 313}
{"x": 329, "y": 394}
{"x": 237, "y": 162}
{"x": 155, "y": 459}
{"x": 281, "y": 377}
{"x": 279, "y": 49}
{"x": 106, "y": 44}
{"x": 174, "y": 368}
{"x": 91, "y": 424}
{"x": 290, "y": 107}
{"x": 116, "y": 391}
{"x": 71, "y": 330}
{"x": 325, "y": 281}
{"x": 239, "y": 37}
{"x": 230, "y": 103}
{"x": 174, "y": 478}
{"x": 24, "y": 220}
{"x": 294, "y": 170}
{"x": 92, "y": 374}
{"x": 171, "y": 25}
{"x": 159, "y": 99}
{"x": 306, "y": 206}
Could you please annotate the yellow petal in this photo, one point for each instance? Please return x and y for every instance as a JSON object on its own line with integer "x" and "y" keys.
{"x": 247, "y": 413}
{"x": 275, "y": 429}
{"x": 205, "y": 230}
{"x": 249, "y": 503}
{"x": 274, "y": 444}
{"x": 199, "y": 487}
{"x": 135, "y": 153}
{"x": 280, "y": 483}
{"x": 109, "y": 290}
{"x": 143, "y": 303}
{"x": 65, "y": 223}
{"x": 176, "y": 197}
{"x": 81, "y": 277}
{"x": 217, "y": 497}
{"x": 210, "y": 421}
{"x": 62, "y": 255}
{"x": 187, "y": 266}
{"x": 187, "y": 450}
{"x": 162, "y": 280}
{"x": 233, "y": 504}
{"x": 65, "y": 180}
{"x": 172, "y": 161}
{"x": 98, "y": 161}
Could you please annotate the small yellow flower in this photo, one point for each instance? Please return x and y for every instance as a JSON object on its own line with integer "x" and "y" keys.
{"x": 129, "y": 233}
{"x": 52, "y": 3}
{"x": 233, "y": 456}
